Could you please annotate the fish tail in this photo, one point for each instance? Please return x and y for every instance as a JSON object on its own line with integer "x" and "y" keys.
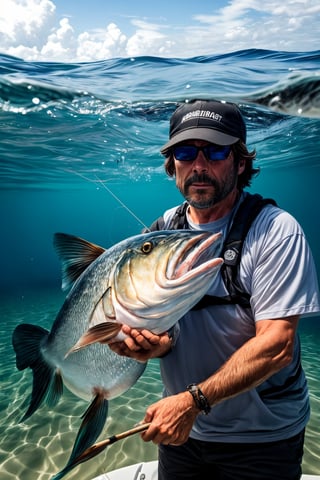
{"x": 92, "y": 425}
{"x": 27, "y": 340}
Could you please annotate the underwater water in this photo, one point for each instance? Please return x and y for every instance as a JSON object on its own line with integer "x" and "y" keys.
{"x": 79, "y": 153}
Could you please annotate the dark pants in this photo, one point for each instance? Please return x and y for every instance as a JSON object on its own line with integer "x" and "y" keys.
{"x": 199, "y": 460}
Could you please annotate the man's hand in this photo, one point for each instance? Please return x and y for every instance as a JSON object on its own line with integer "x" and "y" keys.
{"x": 142, "y": 344}
{"x": 171, "y": 419}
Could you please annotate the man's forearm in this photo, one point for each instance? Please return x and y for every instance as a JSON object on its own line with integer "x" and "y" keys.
{"x": 258, "y": 359}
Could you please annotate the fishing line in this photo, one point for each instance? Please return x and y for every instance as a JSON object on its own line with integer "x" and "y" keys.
{"x": 120, "y": 201}
{"x": 98, "y": 182}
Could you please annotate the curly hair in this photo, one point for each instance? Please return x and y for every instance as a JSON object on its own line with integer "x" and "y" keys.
{"x": 240, "y": 152}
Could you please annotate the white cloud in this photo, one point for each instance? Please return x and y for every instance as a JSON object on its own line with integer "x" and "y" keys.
{"x": 256, "y": 24}
{"x": 101, "y": 44}
{"x": 31, "y": 29}
{"x": 58, "y": 44}
{"x": 148, "y": 40}
{"x": 25, "y": 21}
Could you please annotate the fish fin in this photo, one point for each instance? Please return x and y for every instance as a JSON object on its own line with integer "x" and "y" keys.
{"x": 107, "y": 304}
{"x": 103, "y": 311}
{"x": 56, "y": 390}
{"x": 87, "y": 454}
{"x": 103, "y": 332}
{"x": 92, "y": 425}
{"x": 76, "y": 255}
{"x": 26, "y": 341}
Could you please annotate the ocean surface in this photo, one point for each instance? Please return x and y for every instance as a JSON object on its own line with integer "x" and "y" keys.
{"x": 79, "y": 153}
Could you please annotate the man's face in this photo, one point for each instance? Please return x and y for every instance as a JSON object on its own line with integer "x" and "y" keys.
{"x": 205, "y": 182}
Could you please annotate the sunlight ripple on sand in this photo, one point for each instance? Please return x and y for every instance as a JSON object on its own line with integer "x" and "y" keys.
{"x": 40, "y": 447}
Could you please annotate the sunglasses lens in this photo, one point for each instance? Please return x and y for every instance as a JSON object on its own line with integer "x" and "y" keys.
{"x": 215, "y": 153}
{"x": 188, "y": 153}
{"x": 185, "y": 153}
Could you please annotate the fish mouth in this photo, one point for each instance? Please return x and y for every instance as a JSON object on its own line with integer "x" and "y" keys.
{"x": 196, "y": 255}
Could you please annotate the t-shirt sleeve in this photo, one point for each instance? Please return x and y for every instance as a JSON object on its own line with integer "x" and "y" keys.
{"x": 283, "y": 275}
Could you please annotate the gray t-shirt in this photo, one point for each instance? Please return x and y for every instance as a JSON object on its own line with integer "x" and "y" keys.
{"x": 277, "y": 269}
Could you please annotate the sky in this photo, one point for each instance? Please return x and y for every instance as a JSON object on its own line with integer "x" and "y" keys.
{"x": 91, "y": 30}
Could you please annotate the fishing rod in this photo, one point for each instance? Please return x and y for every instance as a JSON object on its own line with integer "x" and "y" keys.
{"x": 97, "y": 448}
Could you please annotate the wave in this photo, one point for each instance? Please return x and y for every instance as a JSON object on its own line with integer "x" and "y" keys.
{"x": 287, "y": 83}
{"x": 108, "y": 119}
{"x": 298, "y": 95}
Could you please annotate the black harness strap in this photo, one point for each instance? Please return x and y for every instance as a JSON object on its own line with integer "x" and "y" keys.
{"x": 232, "y": 248}
{"x": 231, "y": 252}
{"x": 178, "y": 221}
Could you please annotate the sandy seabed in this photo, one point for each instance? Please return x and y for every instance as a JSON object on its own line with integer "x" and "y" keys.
{"x": 40, "y": 447}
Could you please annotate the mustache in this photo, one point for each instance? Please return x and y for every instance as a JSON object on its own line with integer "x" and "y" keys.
{"x": 200, "y": 178}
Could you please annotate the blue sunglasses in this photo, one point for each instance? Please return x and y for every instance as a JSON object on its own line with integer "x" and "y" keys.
{"x": 188, "y": 153}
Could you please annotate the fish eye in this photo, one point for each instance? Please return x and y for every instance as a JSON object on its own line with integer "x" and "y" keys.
{"x": 147, "y": 247}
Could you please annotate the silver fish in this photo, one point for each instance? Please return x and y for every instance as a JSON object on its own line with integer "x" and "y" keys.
{"x": 147, "y": 281}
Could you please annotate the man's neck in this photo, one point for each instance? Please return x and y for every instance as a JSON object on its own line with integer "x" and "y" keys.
{"x": 211, "y": 214}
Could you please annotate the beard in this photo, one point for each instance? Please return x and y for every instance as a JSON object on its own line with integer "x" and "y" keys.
{"x": 202, "y": 198}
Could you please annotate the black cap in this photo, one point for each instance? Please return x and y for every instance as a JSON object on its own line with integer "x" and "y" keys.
{"x": 210, "y": 120}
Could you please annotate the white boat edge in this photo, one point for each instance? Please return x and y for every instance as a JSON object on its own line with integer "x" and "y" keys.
{"x": 149, "y": 471}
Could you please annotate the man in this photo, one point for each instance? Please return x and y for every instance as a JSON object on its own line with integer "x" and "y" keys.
{"x": 235, "y": 400}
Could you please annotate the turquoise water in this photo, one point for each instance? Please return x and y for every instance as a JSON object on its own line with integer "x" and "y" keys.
{"x": 72, "y": 137}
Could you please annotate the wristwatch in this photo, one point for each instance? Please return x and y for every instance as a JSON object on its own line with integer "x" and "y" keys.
{"x": 199, "y": 398}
